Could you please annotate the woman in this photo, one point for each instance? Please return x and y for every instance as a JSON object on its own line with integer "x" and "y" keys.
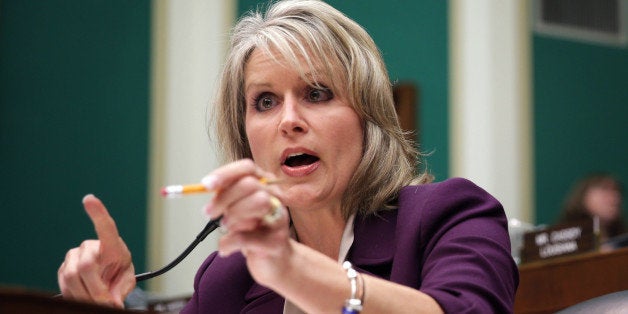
{"x": 305, "y": 100}
{"x": 596, "y": 195}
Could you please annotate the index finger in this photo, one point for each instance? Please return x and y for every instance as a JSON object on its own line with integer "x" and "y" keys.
{"x": 105, "y": 226}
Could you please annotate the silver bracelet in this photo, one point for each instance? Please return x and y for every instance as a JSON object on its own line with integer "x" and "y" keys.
{"x": 353, "y": 305}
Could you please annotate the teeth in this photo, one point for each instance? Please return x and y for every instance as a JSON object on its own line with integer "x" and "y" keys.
{"x": 295, "y": 154}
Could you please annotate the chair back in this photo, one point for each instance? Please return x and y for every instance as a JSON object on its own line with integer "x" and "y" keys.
{"x": 612, "y": 303}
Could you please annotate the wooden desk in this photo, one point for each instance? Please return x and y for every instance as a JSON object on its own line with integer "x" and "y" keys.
{"x": 549, "y": 286}
{"x": 16, "y": 300}
{"x": 23, "y": 300}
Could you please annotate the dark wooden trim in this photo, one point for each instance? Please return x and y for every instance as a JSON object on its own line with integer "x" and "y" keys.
{"x": 406, "y": 96}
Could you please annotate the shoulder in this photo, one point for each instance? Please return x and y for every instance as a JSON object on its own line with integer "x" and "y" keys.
{"x": 448, "y": 191}
{"x": 462, "y": 235}
{"x": 451, "y": 200}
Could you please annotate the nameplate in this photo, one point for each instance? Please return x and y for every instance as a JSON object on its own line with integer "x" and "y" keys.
{"x": 560, "y": 240}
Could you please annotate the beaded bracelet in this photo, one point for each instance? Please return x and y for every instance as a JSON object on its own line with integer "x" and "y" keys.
{"x": 353, "y": 305}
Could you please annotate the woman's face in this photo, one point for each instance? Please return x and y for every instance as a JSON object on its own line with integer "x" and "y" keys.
{"x": 603, "y": 200}
{"x": 309, "y": 137}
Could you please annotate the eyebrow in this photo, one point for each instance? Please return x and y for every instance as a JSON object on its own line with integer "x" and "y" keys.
{"x": 307, "y": 75}
{"x": 257, "y": 85}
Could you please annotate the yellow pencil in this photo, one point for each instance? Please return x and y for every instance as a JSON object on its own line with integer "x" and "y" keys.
{"x": 182, "y": 189}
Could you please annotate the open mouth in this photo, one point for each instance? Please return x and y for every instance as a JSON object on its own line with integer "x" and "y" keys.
{"x": 300, "y": 159}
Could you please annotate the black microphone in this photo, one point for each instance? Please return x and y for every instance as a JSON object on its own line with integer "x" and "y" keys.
{"x": 212, "y": 225}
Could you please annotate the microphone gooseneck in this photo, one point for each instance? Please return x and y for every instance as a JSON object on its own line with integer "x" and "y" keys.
{"x": 211, "y": 226}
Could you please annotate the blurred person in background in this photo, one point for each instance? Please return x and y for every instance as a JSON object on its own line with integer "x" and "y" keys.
{"x": 596, "y": 195}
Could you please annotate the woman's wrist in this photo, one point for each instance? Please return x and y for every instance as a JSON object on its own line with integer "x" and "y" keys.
{"x": 285, "y": 265}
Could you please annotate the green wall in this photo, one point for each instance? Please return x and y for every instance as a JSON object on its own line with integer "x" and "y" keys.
{"x": 413, "y": 38}
{"x": 74, "y": 100}
{"x": 580, "y": 115}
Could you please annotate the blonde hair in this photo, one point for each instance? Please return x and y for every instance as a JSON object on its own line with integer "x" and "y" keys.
{"x": 314, "y": 31}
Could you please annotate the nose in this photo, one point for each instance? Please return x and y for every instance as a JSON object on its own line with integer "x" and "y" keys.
{"x": 292, "y": 120}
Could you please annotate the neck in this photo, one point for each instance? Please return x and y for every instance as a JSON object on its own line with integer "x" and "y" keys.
{"x": 319, "y": 229}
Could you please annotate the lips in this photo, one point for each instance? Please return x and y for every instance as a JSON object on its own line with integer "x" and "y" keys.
{"x": 299, "y": 162}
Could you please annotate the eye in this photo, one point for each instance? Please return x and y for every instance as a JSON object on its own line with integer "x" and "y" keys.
{"x": 264, "y": 102}
{"x": 319, "y": 94}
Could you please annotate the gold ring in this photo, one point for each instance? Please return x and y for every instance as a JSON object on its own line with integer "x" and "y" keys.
{"x": 275, "y": 212}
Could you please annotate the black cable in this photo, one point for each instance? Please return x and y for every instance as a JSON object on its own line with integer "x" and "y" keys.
{"x": 211, "y": 226}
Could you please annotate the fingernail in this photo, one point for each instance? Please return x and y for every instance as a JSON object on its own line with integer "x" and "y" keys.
{"x": 223, "y": 253}
{"x": 224, "y": 224}
{"x": 87, "y": 196}
{"x": 207, "y": 211}
{"x": 210, "y": 182}
{"x": 223, "y": 230}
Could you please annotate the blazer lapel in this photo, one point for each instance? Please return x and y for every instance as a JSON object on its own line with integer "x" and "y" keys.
{"x": 374, "y": 243}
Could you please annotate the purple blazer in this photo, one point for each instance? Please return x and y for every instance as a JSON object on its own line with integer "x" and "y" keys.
{"x": 448, "y": 239}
